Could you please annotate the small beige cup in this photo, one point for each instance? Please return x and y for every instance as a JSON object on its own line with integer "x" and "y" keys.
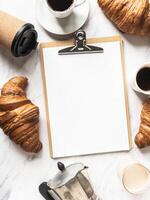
{"x": 134, "y": 176}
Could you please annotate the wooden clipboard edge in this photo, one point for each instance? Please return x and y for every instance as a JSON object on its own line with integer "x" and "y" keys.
{"x": 46, "y": 102}
{"x": 126, "y": 94}
{"x": 89, "y": 41}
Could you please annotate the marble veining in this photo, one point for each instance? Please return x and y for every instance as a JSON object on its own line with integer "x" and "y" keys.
{"x": 21, "y": 173}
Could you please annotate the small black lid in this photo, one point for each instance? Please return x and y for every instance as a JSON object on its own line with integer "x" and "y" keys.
{"x": 24, "y": 41}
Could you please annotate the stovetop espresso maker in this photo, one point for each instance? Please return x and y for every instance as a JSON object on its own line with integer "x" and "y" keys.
{"x": 70, "y": 183}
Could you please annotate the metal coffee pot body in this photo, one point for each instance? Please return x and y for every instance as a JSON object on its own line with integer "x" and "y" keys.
{"x": 70, "y": 183}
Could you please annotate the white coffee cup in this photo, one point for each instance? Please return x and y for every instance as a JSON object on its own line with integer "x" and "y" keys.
{"x": 134, "y": 176}
{"x": 67, "y": 12}
{"x": 135, "y": 83}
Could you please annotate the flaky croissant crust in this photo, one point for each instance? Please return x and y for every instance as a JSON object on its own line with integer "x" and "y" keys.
{"x": 19, "y": 117}
{"x": 142, "y": 139}
{"x": 130, "y": 16}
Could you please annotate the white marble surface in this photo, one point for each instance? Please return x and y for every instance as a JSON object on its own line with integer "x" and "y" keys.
{"x": 20, "y": 173}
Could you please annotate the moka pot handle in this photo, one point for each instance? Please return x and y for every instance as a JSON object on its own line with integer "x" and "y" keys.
{"x": 43, "y": 189}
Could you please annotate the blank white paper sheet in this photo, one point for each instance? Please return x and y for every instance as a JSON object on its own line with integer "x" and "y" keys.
{"x": 87, "y": 104}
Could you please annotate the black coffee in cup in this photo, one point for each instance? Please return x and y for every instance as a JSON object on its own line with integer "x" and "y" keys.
{"x": 60, "y": 5}
{"x": 143, "y": 78}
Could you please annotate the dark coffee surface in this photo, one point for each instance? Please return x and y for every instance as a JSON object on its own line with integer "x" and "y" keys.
{"x": 60, "y": 5}
{"x": 143, "y": 78}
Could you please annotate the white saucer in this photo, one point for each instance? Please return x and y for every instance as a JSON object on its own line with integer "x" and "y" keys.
{"x": 62, "y": 27}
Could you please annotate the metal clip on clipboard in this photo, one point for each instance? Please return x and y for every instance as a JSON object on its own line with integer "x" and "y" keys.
{"x": 80, "y": 46}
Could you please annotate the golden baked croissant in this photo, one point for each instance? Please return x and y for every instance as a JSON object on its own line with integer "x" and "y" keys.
{"x": 130, "y": 16}
{"x": 19, "y": 118}
{"x": 142, "y": 139}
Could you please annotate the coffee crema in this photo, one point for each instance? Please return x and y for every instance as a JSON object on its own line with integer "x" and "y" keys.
{"x": 143, "y": 78}
{"x": 60, "y": 5}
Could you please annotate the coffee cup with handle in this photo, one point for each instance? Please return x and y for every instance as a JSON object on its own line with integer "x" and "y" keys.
{"x": 62, "y": 8}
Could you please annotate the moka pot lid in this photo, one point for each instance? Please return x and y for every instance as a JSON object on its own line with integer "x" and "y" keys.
{"x": 65, "y": 174}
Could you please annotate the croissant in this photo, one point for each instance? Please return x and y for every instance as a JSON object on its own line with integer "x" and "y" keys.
{"x": 130, "y": 16}
{"x": 142, "y": 139}
{"x": 19, "y": 117}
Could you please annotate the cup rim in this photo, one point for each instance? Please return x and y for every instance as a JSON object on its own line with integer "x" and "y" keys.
{"x": 144, "y": 187}
{"x": 146, "y": 92}
{"x": 57, "y": 11}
